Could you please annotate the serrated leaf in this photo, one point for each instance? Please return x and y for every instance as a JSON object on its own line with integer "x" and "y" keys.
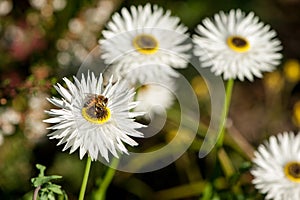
{"x": 48, "y": 190}
{"x": 42, "y": 168}
{"x": 65, "y": 195}
{"x": 38, "y": 181}
{"x": 51, "y": 196}
{"x": 44, "y": 196}
{"x": 55, "y": 188}
{"x": 44, "y": 190}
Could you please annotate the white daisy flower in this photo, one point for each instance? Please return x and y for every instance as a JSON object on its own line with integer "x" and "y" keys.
{"x": 237, "y": 45}
{"x": 93, "y": 117}
{"x": 154, "y": 98}
{"x": 277, "y": 167}
{"x": 145, "y": 35}
{"x": 144, "y": 73}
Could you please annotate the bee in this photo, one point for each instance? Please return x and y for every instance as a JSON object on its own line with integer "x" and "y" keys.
{"x": 95, "y": 106}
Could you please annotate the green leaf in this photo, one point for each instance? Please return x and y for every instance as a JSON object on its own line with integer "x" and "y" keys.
{"x": 42, "y": 169}
{"x": 55, "y": 188}
{"x": 48, "y": 191}
{"x": 44, "y": 196}
{"x": 51, "y": 196}
{"x": 38, "y": 181}
{"x": 65, "y": 195}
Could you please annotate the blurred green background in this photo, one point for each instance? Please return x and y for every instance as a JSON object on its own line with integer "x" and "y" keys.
{"x": 43, "y": 40}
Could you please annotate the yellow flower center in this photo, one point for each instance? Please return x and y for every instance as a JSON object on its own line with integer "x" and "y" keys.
{"x": 292, "y": 70}
{"x": 238, "y": 44}
{"x": 95, "y": 109}
{"x": 292, "y": 171}
{"x": 145, "y": 44}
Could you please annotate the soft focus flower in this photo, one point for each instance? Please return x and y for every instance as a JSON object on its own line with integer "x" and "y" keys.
{"x": 154, "y": 98}
{"x": 34, "y": 127}
{"x": 145, "y": 73}
{"x": 83, "y": 30}
{"x": 56, "y": 5}
{"x": 23, "y": 40}
{"x": 296, "y": 114}
{"x": 277, "y": 167}
{"x": 144, "y": 36}
{"x": 273, "y": 82}
{"x": 291, "y": 70}
{"x": 38, "y": 4}
{"x": 200, "y": 87}
{"x": 94, "y": 118}
{"x": 5, "y": 7}
{"x": 12, "y": 116}
{"x": 9, "y": 118}
{"x": 237, "y": 45}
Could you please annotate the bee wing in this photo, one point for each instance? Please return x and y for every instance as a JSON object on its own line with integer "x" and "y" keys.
{"x": 89, "y": 96}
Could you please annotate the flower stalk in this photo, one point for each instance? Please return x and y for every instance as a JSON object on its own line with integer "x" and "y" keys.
{"x": 85, "y": 178}
{"x": 101, "y": 192}
{"x": 229, "y": 87}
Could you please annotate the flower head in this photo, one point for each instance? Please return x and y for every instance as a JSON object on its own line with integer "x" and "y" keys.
{"x": 277, "y": 167}
{"x": 94, "y": 117}
{"x": 154, "y": 98}
{"x": 237, "y": 45}
{"x": 146, "y": 36}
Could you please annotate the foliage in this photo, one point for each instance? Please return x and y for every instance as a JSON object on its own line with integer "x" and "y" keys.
{"x": 45, "y": 189}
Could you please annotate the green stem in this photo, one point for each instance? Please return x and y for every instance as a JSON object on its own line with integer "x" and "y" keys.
{"x": 229, "y": 87}
{"x": 101, "y": 192}
{"x": 85, "y": 178}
